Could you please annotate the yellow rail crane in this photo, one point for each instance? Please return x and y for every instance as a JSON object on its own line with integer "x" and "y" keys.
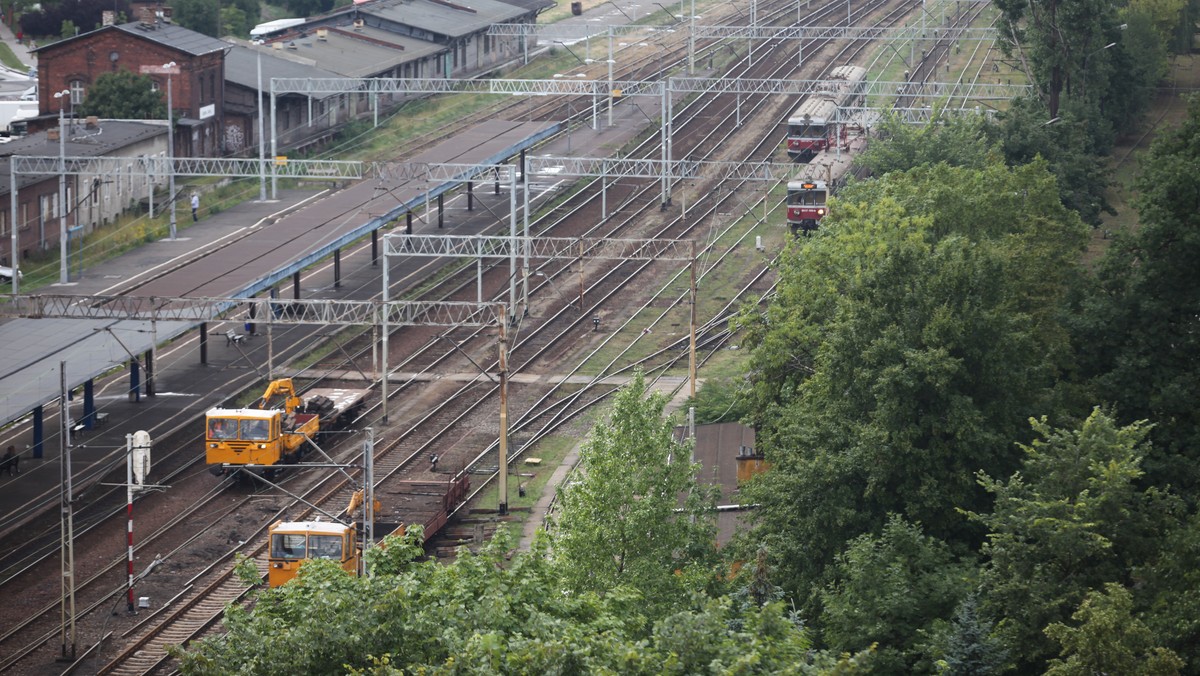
{"x": 277, "y": 430}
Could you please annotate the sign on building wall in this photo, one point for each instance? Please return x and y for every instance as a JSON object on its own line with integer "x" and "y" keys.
{"x": 208, "y": 111}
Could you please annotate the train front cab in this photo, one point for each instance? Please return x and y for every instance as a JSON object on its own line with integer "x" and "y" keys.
{"x": 806, "y": 205}
{"x": 242, "y": 437}
{"x": 806, "y": 137}
{"x": 294, "y": 542}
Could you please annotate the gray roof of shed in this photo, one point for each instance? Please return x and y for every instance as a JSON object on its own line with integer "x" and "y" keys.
{"x": 532, "y": 5}
{"x": 241, "y": 68}
{"x": 348, "y": 56}
{"x": 453, "y": 19}
{"x": 175, "y": 37}
{"x": 107, "y": 138}
{"x": 167, "y": 34}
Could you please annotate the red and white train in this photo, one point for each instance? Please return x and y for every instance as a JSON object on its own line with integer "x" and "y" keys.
{"x": 810, "y": 127}
{"x": 809, "y": 190}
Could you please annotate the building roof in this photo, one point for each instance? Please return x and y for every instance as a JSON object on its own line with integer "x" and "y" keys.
{"x": 167, "y": 34}
{"x": 532, "y": 5}
{"x": 106, "y": 138}
{"x": 174, "y": 36}
{"x": 717, "y": 448}
{"x": 452, "y": 19}
{"x": 241, "y": 67}
{"x": 348, "y": 53}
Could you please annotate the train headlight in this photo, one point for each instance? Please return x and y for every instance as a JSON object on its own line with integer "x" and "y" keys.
{"x": 262, "y": 446}
{"x": 820, "y": 212}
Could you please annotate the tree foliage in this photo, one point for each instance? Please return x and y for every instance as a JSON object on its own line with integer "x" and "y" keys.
{"x": 618, "y": 523}
{"x": 1063, "y": 43}
{"x": 202, "y": 16}
{"x": 1073, "y": 519}
{"x": 86, "y": 15}
{"x": 1072, "y": 147}
{"x": 970, "y": 648}
{"x": 1109, "y": 640}
{"x": 1139, "y": 329}
{"x": 905, "y": 348}
{"x": 497, "y": 613}
{"x": 959, "y": 140}
{"x": 889, "y": 590}
{"x": 124, "y": 95}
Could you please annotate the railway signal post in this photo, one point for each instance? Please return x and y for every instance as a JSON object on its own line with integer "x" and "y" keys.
{"x": 137, "y": 466}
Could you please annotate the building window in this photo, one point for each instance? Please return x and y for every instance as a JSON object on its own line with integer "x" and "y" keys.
{"x": 77, "y": 92}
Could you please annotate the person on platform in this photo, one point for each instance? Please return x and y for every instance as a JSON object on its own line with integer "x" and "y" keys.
{"x": 11, "y": 462}
{"x": 195, "y": 206}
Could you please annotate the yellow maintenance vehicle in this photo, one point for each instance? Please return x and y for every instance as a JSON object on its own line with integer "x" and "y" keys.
{"x": 277, "y": 430}
{"x": 294, "y": 542}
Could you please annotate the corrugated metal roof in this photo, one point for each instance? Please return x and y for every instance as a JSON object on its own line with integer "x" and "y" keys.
{"x": 414, "y": 48}
{"x": 175, "y": 37}
{"x": 453, "y": 19}
{"x": 107, "y": 138}
{"x": 241, "y": 68}
{"x": 347, "y": 56}
{"x": 532, "y": 5}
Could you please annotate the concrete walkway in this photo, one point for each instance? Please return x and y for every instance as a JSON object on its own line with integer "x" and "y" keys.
{"x": 20, "y": 49}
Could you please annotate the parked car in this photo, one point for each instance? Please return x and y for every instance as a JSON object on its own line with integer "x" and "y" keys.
{"x": 6, "y": 274}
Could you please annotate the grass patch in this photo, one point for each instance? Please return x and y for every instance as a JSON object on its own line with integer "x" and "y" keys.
{"x": 551, "y": 450}
{"x": 9, "y": 58}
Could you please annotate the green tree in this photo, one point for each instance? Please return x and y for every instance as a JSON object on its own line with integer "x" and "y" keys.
{"x": 235, "y": 22}
{"x": 618, "y": 523}
{"x": 1138, "y": 331}
{"x": 718, "y": 401}
{"x": 970, "y": 648}
{"x": 495, "y": 612}
{"x": 1172, "y": 585}
{"x": 958, "y": 140}
{"x": 1072, "y": 520}
{"x": 1109, "y": 640}
{"x": 1072, "y": 147}
{"x": 124, "y": 95}
{"x": 904, "y": 350}
{"x": 889, "y": 590}
{"x": 1062, "y": 42}
{"x": 202, "y": 16}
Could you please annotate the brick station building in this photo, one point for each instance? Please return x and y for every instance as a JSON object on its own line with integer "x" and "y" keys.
{"x": 197, "y": 91}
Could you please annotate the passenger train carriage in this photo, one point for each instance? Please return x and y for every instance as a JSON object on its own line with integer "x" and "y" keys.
{"x": 811, "y": 126}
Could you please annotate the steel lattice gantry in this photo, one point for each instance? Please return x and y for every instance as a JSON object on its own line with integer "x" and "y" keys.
{"x": 274, "y": 310}
{"x": 558, "y": 248}
{"x": 664, "y": 90}
{"x": 34, "y": 165}
{"x": 567, "y": 34}
{"x": 578, "y": 248}
{"x": 577, "y": 32}
{"x": 187, "y": 166}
